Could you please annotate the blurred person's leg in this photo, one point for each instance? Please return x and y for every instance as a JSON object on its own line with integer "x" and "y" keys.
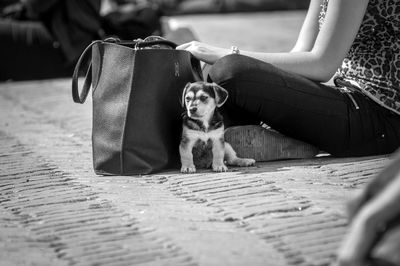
{"x": 28, "y": 51}
{"x": 373, "y": 236}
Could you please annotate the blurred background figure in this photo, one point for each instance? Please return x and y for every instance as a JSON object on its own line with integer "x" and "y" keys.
{"x": 44, "y": 38}
{"x": 131, "y": 19}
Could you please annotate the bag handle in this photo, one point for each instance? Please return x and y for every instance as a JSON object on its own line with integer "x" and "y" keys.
{"x": 81, "y": 98}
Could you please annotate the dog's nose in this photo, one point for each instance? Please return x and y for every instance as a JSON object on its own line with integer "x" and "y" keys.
{"x": 193, "y": 110}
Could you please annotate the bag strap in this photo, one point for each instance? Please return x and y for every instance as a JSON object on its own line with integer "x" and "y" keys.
{"x": 81, "y": 98}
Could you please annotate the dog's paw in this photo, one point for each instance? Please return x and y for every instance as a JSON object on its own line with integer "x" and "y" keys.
{"x": 188, "y": 169}
{"x": 242, "y": 162}
{"x": 246, "y": 162}
{"x": 219, "y": 168}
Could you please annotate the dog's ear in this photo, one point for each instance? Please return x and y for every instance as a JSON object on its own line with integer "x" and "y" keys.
{"x": 184, "y": 93}
{"x": 221, "y": 95}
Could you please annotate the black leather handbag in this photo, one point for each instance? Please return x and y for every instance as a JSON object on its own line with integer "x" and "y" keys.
{"x": 136, "y": 91}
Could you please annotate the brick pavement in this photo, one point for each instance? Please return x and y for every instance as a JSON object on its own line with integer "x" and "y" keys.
{"x": 55, "y": 211}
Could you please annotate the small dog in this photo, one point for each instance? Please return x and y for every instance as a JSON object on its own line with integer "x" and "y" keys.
{"x": 202, "y": 144}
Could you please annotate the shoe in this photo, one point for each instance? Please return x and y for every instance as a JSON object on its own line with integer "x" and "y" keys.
{"x": 264, "y": 144}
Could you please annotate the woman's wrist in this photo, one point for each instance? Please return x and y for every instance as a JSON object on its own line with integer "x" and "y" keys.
{"x": 225, "y": 51}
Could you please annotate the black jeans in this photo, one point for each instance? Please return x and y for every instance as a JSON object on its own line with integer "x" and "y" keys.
{"x": 342, "y": 124}
{"x": 28, "y": 51}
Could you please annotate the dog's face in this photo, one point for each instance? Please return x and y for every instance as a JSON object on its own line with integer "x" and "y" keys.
{"x": 201, "y": 99}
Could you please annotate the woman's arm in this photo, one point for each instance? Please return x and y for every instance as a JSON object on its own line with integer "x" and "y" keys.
{"x": 309, "y": 30}
{"x": 335, "y": 38}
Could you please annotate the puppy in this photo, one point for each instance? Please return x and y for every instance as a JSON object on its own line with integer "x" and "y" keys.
{"x": 202, "y": 144}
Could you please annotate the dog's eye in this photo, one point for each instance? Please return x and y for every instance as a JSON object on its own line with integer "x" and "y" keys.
{"x": 203, "y": 98}
{"x": 188, "y": 99}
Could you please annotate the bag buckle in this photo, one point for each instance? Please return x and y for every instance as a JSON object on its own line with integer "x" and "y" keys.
{"x": 137, "y": 42}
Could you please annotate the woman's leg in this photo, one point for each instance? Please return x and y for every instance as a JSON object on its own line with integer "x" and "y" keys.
{"x": 303, "y": 109}
{"x": 28, "y": 51}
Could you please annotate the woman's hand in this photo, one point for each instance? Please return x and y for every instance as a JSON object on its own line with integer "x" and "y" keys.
{"x": 204, "y": 52}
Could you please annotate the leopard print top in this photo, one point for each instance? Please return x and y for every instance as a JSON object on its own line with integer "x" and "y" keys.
{"x": 373, "y": 61}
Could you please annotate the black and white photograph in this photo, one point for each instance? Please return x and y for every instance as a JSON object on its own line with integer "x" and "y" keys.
{"x": 199, "y": 133}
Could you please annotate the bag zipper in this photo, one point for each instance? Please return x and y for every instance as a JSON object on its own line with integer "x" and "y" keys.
{"x": 347, "y": 87}
{"x": 353, "y": 100}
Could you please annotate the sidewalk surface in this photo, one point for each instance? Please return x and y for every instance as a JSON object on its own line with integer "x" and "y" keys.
{"x": 55, "y": 211}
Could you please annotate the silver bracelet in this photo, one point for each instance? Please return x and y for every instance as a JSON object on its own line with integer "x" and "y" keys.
{"x": 235, "y": 50}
